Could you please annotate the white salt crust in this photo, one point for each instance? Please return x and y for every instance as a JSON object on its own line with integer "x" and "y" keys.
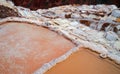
{"x": 80, "y": 43}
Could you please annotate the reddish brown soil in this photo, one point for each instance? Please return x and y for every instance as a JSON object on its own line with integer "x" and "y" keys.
{"x": 7, "y": 12}
{"x": 37, "y": 4}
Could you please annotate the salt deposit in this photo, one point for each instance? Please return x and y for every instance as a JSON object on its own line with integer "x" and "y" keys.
{"x": 87, "y": 26}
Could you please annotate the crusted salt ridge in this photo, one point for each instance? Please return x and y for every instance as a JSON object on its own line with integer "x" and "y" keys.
{"x": 7, "y": 3}
{"x": 81, "y": 43}
{"x": 18, "y": 19}
{"x": 98, "y": 45}
{"x": 53, "y": 62}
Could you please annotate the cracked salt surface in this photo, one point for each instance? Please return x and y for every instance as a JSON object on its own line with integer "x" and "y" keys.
{"x": 23, "y": 44}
